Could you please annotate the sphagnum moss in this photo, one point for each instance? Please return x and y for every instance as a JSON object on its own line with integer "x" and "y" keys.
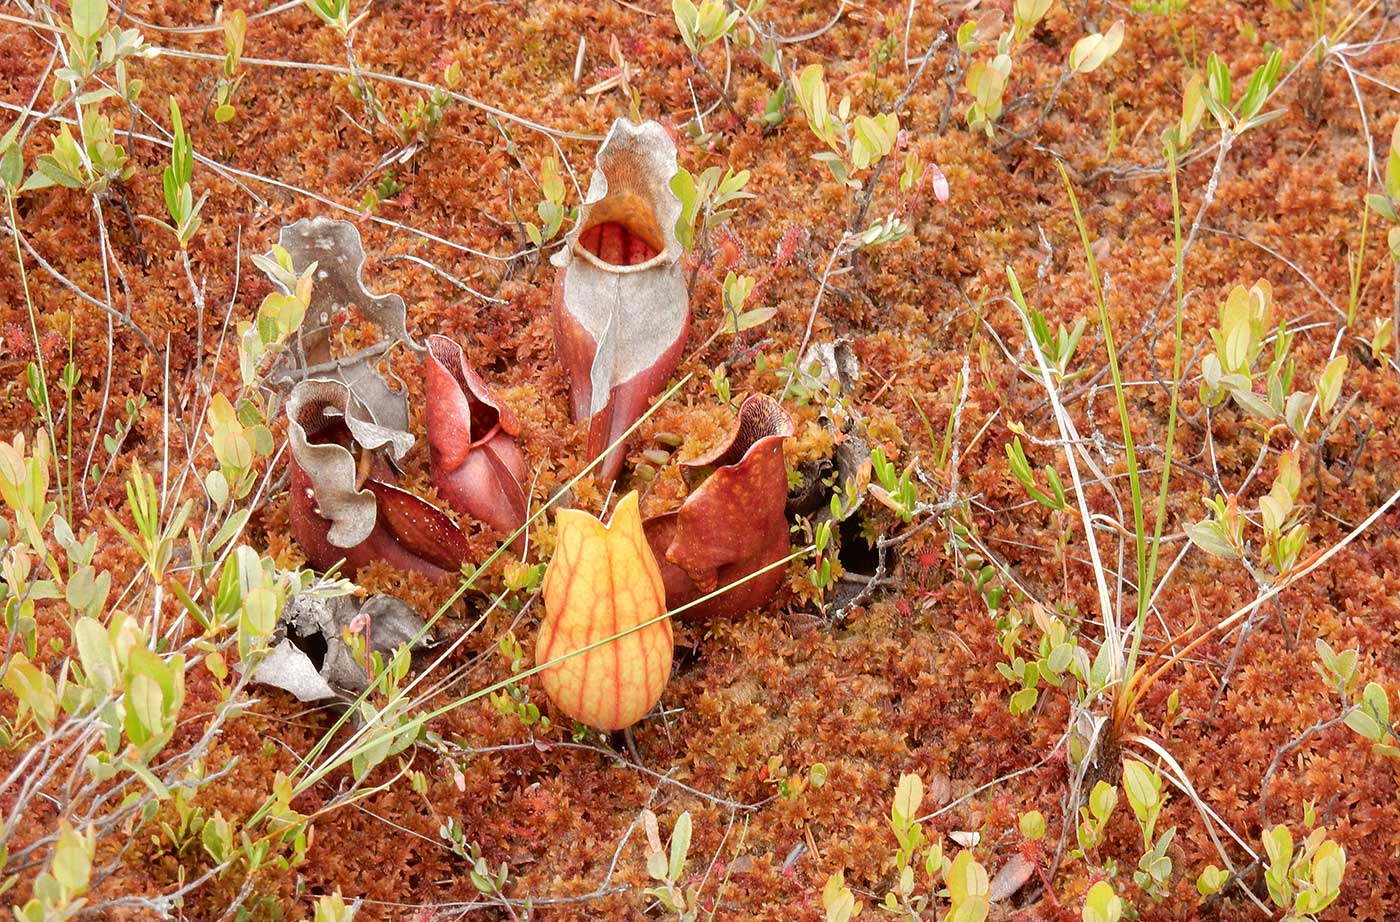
{"x": 906, "y": 682}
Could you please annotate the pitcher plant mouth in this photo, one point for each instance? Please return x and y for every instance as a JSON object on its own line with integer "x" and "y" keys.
{"x": 733, "y": 523}
{"x": 629, "y": 242}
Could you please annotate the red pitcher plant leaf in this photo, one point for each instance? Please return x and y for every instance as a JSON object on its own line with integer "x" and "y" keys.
{"x": 733, "y": 524}
{"x": 477, "y": 466}
{"x": 621, "y": 310}
{"x": 341, "y": 504}
{"x": 601, "y": 581}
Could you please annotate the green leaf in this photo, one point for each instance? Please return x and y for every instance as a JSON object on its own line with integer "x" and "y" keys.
{"x": 1143, "y": 786}
{"x": 72, "y": 859}
{"x": 143, "y": 709}
{"x": 1374, "y": 698}
{"x": 1023, "y": 701}
{"x": 1382, "y": 206}
{"x": 1210, "y": 537}
{"x": 217, "y": 838}
{"x": 969, "y": 888}
{"x": 89, "y": 17}
{"x": 1089, "y": 53}
{"x": 686, "y": 16}
{"x": 1060, "y": 658}
{"x": 1364, "y": 724}
{"x": 908, "y": 795}
{"x": 1253, "y": 405}
{"x": 259, "y": 613}
{"x": 1102, "y": 800}
{"x": 1329, "y": 385}
{"x": 680, "y": 845}
{"x": 810, "y": 88}
{"x": 231, "y": 527}
{"x": 11, "y": 167}
{"x": 1211, "y": 880}
{"x": 231, "y": 446}
{"x": 1272, "y": 512}
{"x": 1329, "y": 865}
{"x": 148, "y": 778}
{"x": 1101, "y": 904}
{"x": 656, "y": 865}
{"x": 88, "y": 588}
{"x": 33, "y": 687}
{"x": 683, "y": 185}
{"x": 1278, "y": 845}
{"x": 97, "y": 654}
{"x": 750, "y": 319}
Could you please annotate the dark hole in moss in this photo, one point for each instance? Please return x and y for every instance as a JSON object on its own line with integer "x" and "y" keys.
{"x": 683, "y": 656}
{"x": 810, "y": 494}
{"x": 313, "y": 645}
{"x": 856, "y": 554}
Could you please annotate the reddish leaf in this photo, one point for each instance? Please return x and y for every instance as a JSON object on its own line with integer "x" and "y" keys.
{"x": 477, "y": 467}
{"x": 419, "y": 528}
{"x": 733, "y": 524}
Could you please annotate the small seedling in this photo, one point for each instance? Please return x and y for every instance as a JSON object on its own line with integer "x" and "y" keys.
{"x": 667, "y": 867}
{"x": 854, "y": 144}
{"x": 231, "y": 78}
{"x": 706, "y": 201}
{"x": 180, "y": 203}
{"x": 1305, "y": 882}
{"x": 551, "y": 209}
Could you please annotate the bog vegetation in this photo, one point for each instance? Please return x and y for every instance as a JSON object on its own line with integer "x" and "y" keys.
{"x": 711, "y": 460}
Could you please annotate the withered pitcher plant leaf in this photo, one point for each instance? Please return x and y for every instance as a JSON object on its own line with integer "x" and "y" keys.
{"x": 342, "y": 505}
{"x": 309, "y": 657}
{"x": 339, "y": 254}
{"x": 336, "y": 251}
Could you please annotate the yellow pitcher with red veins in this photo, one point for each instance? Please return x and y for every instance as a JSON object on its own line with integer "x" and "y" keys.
{"x": 602, "y": 580}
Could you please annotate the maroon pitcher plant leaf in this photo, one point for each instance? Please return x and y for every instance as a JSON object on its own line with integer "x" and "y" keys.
{"x": 342, "y": 506}
{"x": 620, "y": 305}
{"x": 733, "y": 524}
{"x": 477, "y": 466}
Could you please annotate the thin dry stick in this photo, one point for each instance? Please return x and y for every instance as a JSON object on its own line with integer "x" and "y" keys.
{"x": 445, "y": 276}
{"x": 1070, "y": 436}
{"x": 1177, "y": 776}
